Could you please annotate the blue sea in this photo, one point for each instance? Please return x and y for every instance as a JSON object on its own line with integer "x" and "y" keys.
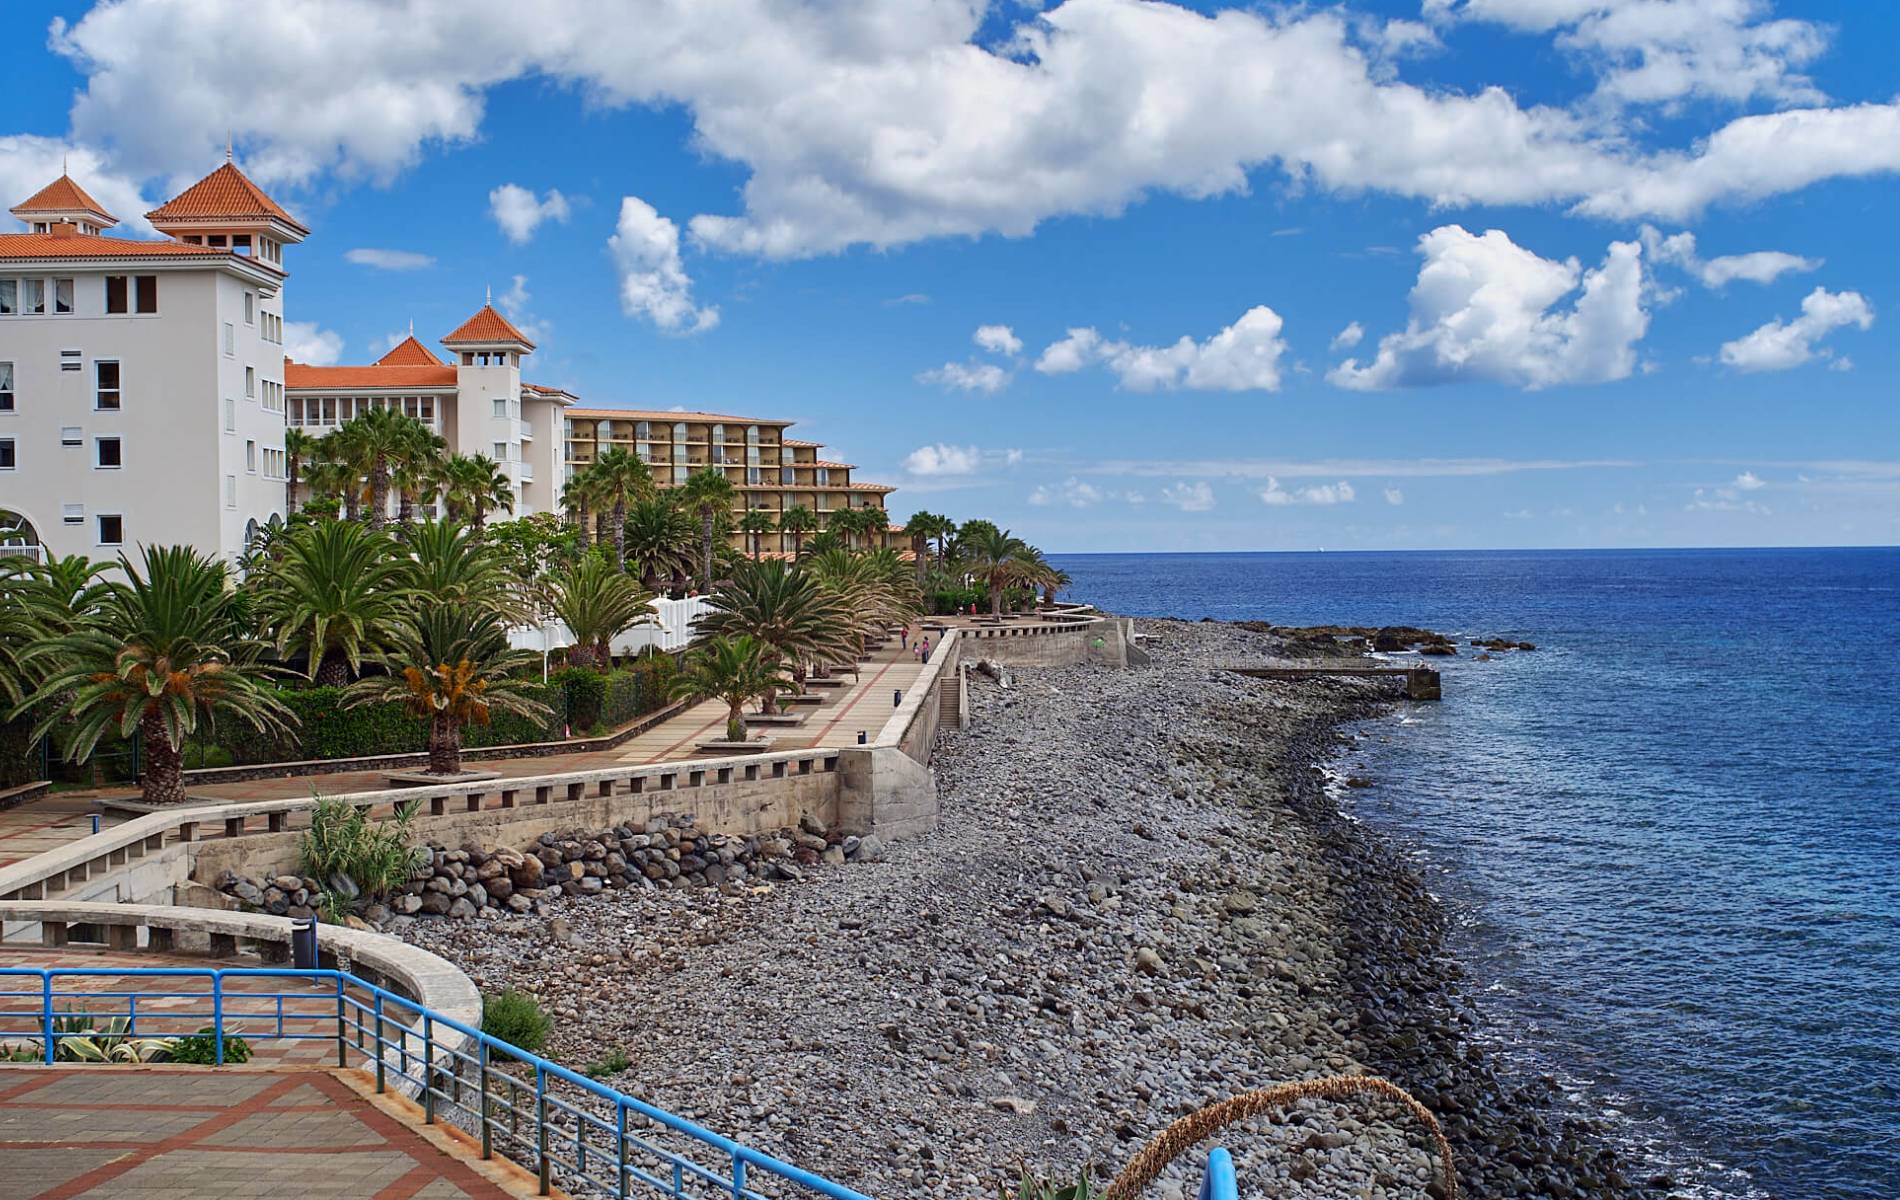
{"x": 1670, "y": 835}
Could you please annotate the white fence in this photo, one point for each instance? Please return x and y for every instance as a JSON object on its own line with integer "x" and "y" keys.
{"x": 671, "y": 629}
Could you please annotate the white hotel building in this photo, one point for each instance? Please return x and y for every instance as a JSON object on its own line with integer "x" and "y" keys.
{"x": 144, "y": 390}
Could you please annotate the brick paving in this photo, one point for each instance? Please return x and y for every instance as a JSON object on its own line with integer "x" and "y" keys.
{"x": 181, "y": 1133}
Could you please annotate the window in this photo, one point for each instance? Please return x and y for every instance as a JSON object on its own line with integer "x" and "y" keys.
{"x": 250, "y": 457}
{"x": 230, "y": 340}
{"x": 273, "y": 396}
{"x": 33, "y": 297}
{"x": 230, "y": 491}
{"x": 118, "y": 293}
{"x": 145, "y": 292}
{"x": 9, "y": 297}
{"x": 250, "y": 383}
{"x": 62, "y": 295}
{"x": 250, "y": 308}
{"x": 106, "y": 397}
{"x": 6, "y": 387}
{"x": 111, "y": 529}
{"x": 69, "y": 360}
{"x": 501, "y": 452}
{"x": 230, "y": 414}
{"x": 72, "y": 435}
{"x": 74, "y": 514}
{"x": 241, "y": 244}
{"x": 6, "y": 454}
{"x": 106, "y": 453}
{"x": 501, "y": 406}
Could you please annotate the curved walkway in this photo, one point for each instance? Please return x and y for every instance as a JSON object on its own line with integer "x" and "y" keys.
{"x": 183, "y": 1133}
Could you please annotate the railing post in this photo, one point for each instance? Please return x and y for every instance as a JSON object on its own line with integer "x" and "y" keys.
{"x": 428, "y": 1068}
{"x": 46, "y": 1012}
{"x": 488, "y": 1136}
{"x": 620, "y": 1149}
{"x": 217, "y": 1016}
{"x": 342, "y": 1027}
{"x": 541, "y": 1127}
{"x": 379, "y": 1044}
{"x": 738, "y": 1178}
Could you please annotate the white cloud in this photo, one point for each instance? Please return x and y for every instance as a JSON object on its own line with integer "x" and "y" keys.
{"x": 1780, "y": 345}
{"x": 29, "y": 162}
{"x": 966, "y": 377}
{"x": 653, "y": 279}
{"x": 887, "y": 123}
{"x": 306, "y": 343}
{"x": 1398, "y": 468}
{"x": 1350, "y": 336}
{"x": 388, "y": 260}
{"x": 1321, "y": 494}
{"x": 1071, "y": 492}
{"x": 514, "y": 305}
{"x": 1760, "y": 266}
{"x": 1748, "y": 481}
{"x": 1012, "y": 457}
{"x": 1189, "y": 497}
{"x": 1245, "y": 356}
{"x": 1657, "y": 51}
{"x": 519, "y": 214}
{"x": 1394, "y": 497}
{"x": 942, "y": 459}
{"x": 1485, "y": 308}
{"x": 998, "y": 339}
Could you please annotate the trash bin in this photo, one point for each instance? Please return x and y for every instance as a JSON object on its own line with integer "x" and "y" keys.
{"x": 303, "y": 943}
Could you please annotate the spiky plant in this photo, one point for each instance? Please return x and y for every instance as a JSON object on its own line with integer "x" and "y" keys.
{"x": 787, "y": 610}
{"x": 707, "y": 493}
{"x": 331, "y": 595}
{"x": 736, "y": 670}
{"x": 596, "y": 602}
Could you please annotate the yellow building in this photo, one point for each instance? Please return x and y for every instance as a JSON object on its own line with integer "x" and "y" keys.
{"x": 771, "y": 472}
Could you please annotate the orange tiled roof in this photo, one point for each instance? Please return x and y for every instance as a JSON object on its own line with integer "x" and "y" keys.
{"x": 89, "y": 245}
{"x": 63, "y": 195}
{"x": 487, "y": 325}
{"x": 226, "y": 192}
{"x": 858, "y": 487}
{"x": 654, "y": 414}
{"x": 822, "y": 463}
{"x": 409, "y": 353}
{"x": 305, "y": 377}
{"x": 804, "y": 444}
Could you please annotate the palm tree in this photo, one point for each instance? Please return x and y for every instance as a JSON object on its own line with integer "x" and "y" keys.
{"x": 597, "y": 602}
{"x": 619, "y": 479}
{"x": 299, "y": 448}
{"x": 755, "y": 524}
{"x": 736, "y": 670}
{"x": 708, "y": 493}
{"x": 787, "y": 611}
{"x": 163, "y": 653}
{"x": 996, "y": 557}
{"x": 381, "y": 440}
{"x": 472, "y": 484}
{"x": 331, "y": 597}
{"x": 844, "y": 523}
{"x": 450, "y": 665}
{"x": 447, "y": 562}
{"x": 874, "y": 590}
{"x": 578, "y": 497}
{"x": 924, "y": 527}
{"x": 330, "y": 479}
{"x": 659, "y": 537}
{"x": 797, "y": 521}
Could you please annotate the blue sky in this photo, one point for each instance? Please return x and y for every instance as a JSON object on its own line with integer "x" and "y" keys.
{"x": 1489, "y": 194}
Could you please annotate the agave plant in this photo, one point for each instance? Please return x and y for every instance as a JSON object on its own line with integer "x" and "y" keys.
{"x": 78, "y": 1039}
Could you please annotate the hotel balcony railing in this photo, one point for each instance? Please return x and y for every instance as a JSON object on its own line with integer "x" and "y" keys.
{"x": 527, "y": 431}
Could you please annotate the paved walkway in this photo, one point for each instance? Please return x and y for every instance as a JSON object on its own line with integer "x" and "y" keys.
{"x": 863, "y": 704}
{"x": 231, "y": 1133}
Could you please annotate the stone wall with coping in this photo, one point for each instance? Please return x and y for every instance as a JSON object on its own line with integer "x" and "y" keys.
{"x": 1106, "y": 640}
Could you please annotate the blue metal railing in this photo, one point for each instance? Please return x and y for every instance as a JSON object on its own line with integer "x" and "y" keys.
{"x": 1219, "y": 1182}
{"x": 512, "y": 1099}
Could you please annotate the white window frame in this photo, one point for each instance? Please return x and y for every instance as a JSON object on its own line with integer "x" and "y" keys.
{"x": 98, "y": 391}
{"x": 99, "y": 531}
{"x": 13, "y": 452}
{"x": 9, "y": 379}
{"x": 250, "y": 383}
{"x": 230, "y": 415}
{"x": 98, "y": 448}
{"x": 230, "y": 340}
{"x": 250, "y": 307}
{"x": 230, "y": 491}
{"x": 250, "y": 457}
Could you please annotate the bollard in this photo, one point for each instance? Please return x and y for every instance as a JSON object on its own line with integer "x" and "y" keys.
{"x": 897, "y": 697}
{"x": 861, "y": 737}
{"x": 303, "y": 943}
{"x": 95, "y": 822}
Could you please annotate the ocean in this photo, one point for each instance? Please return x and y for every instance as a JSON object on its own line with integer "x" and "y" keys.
{"x": 1670, "y": 835}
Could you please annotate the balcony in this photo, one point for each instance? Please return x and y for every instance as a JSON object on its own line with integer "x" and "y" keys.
{"x": 527, "y": 471}
{"x": 527, "y": 431}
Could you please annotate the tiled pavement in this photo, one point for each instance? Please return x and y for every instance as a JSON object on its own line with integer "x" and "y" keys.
{"x": 184, "y": 1133}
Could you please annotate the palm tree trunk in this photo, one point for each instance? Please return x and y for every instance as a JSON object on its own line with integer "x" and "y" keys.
{"x": 920, "y": 551}
{"x": 378, "y": 494}
{"x": 705, "y": 550}
{"x": 996, "y": 599}
{"x": 445, "y": 745}
{"x": 333, "y": 670}
{"x": 620, "y": 534}
{"x": 587, "y": 539}
{"x": 292, "y": 469}
{"x": 735, "y": 723}
{"x": 163, "y": 780}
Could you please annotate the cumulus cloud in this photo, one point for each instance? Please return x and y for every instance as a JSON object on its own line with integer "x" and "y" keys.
{"x": 1394, "y": 497}
{"x": 1320, "y": 494}
{"x": 998, "y": 339}
{"x": 306, "y": 343}
{"x": 966, "y": 377}
{"x": 1780, "y": 345}
{"x": 1350, "y": 336}
{"x": 1659, "y": 51}
{"x": 1730, "y": 498}
{"x": 1485, "y": 308}
{"x": 29, "y": 162}
{"x": 514, "y": 303}
{"x": 1189, "y": 497}
{"x": 519, "y": 213}
{"x": 653, "y": 279}
{"x": 1071, "y": 492}
{"x": 1760, "y": 266}
{"x": 388, "y": 260}
{"x": 887, "y": 123}
{"x": 1245, "y": 356}
{"x": 942, "y": 459}
{"x": 1748, "y": 481}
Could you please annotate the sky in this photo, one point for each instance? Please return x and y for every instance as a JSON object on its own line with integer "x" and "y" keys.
{"x": 1116, "y": 275}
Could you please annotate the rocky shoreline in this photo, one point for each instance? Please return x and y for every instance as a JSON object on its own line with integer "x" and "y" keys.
{"x": 1140, "y": 900}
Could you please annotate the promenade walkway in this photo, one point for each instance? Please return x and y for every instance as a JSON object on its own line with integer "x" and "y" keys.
{"x": 229, "y": 1133}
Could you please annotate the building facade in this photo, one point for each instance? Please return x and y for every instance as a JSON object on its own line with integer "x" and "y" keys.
{"x": 475, "y": 400}
{"x": 142, "y": 381}
{"x": 770, "y": 471}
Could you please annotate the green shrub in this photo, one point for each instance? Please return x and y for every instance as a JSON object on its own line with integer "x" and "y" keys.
{"x": 613, "y": 1064}
{"x": 199, "y": 756}
{"x": 201, "y": 1048}
{"x": 376, "y": 856}
{"x": 586, "y": 691}
{"x": 325, "y": 729}
{"x": 515, "y": 1018}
